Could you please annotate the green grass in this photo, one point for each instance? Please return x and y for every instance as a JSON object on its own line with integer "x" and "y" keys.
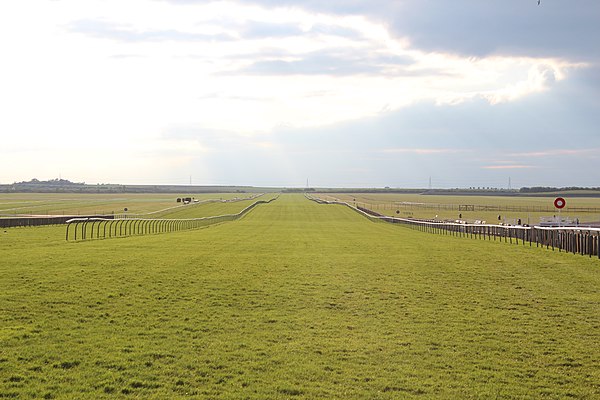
{"x": 212, "y": 209}
{"x": 81, "y": 204}
{"x": 295, "y": 300}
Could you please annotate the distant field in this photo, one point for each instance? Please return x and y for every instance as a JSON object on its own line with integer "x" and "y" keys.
{"x": 295, "y": 300}
{"x": 424, "y": 206}
{"x": 212, "y": 208}
{"x": 82, "y": 204}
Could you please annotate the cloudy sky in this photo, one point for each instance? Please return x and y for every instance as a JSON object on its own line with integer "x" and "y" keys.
{"x": 271, "y": 93}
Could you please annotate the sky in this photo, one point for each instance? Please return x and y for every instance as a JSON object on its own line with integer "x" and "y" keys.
{"x": 343, "y": 93}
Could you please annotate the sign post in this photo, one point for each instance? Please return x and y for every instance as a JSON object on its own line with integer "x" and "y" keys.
{"x": 559, "y": 203}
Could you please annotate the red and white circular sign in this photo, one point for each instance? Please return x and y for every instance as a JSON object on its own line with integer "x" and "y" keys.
{"x": 559, "y": 202}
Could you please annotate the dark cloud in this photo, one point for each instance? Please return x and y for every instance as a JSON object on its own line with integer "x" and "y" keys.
{"x": 584, "y": 84}
{"x": 475, "y": 27}
{"x": 107, "y": 30}
{"x": 555, "y": 28}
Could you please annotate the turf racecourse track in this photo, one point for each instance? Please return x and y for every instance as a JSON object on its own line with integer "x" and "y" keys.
{"x": 295, "y": 300}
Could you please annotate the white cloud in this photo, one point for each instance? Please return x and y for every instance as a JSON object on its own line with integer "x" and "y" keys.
{"x": 558, "y": 152}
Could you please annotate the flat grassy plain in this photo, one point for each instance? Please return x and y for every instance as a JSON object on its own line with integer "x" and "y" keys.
{"x": 295, "y": 300}
{"x": 388, "y": 204}
{"x": 81, "y": 204}
{"x": 211, "y": 209}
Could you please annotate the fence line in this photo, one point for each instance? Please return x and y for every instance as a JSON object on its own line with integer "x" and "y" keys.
{"x": 41, "y": 221}
{"x": 476, "y": 207}
{"x": 102, "y": 228}
{"x": 576, "y": 240}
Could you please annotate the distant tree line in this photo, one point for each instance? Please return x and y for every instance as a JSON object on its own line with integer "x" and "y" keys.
{"x": 297, "y": 190}
{"x": 548, "y": 189}
{"x": 52, "y": 182}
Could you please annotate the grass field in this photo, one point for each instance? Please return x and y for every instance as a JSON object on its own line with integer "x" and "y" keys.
{"x": 424, "y": 206}
{"x": 212, "y": 208}
{"x": 82, "y": 204}
{"x": 295, "y": 300}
